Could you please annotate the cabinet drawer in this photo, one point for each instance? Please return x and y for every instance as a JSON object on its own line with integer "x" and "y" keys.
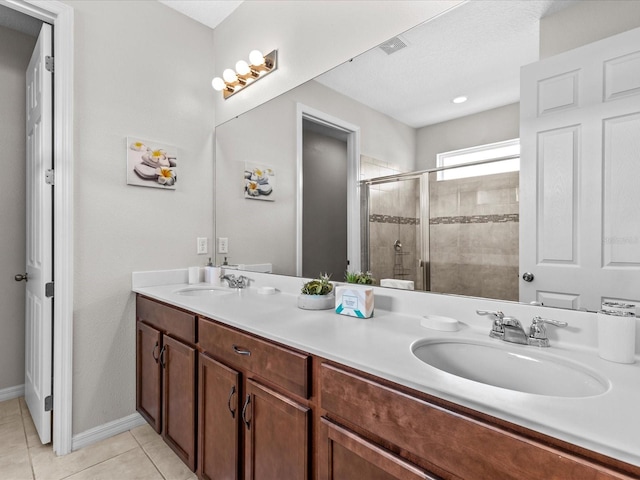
{"x": 281, "y": 366}
{"x": 169, "y": 320}
{"x": 462, "y": 446}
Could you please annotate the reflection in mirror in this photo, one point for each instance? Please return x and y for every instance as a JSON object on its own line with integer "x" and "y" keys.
{"x": 401, "y": 106}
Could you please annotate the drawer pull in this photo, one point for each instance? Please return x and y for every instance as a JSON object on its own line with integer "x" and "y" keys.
{"x": 153, "y": 352}
{"x": 244, "y": 412}
{"x": 241, "y": 351}
{"x": 232, "y": 410}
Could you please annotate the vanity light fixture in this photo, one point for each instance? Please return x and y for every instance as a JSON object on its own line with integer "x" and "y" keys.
{"x": 245, "y": 74}
{"x": 460, "y": 99}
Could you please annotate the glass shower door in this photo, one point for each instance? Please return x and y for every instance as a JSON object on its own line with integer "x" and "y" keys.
{"x": 393, "y": 232}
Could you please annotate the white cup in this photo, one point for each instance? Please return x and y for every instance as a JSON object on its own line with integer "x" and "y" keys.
{"x": 194, "y": 275}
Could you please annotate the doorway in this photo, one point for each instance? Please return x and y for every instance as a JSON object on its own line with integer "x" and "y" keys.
{"x": 324, "y": 205}
{"x": 60, "y": 15}
{"x": 329, "y": 134}
{"x": 17, "y": 41}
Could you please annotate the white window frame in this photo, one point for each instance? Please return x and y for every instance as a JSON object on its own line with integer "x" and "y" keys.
{"x": 480, "y": 153}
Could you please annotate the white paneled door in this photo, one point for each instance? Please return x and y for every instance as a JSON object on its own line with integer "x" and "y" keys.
{"x": 580, "y": 175}
{"x": 38, "y": 330}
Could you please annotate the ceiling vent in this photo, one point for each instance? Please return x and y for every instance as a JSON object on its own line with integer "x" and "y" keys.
{"x": 392, "y": 45}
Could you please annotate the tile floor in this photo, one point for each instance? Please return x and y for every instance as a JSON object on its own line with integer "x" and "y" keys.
{"x": 139, "y": 454}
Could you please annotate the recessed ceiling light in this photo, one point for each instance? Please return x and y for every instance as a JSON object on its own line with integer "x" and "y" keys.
{"x": 460, "y": 99}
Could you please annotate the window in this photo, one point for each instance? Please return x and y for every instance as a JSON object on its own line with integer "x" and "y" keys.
{"x": 490, "y": 151}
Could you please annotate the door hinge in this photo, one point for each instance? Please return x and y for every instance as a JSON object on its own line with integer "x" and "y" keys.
{"x": 49, "y": 63}
{"x": 50, "y": 177}
{"x": 48, "y": 289}
{"x": 48, "y": 403}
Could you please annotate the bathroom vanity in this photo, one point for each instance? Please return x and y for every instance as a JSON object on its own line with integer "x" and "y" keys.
{"x": 243, "y": 385}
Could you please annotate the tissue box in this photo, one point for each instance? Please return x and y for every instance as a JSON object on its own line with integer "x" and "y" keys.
{"x": 354, "y": 301}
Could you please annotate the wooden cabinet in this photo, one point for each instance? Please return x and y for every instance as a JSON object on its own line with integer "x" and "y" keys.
{"x": 149, "y": 374}
{"x": 178, "y": 361}
{"x": 252, "y": 426}
{"x": 349, "y": 456}
{"x": 446, "y": 442}
{"x": 276, "y": 435}
{"x": 219, "y": 417}
{"x": 266, "y": 411}
{"x": 166, "y": 374}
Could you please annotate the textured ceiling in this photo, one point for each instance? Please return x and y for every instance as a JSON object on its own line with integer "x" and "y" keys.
{"x": 475, "y": 50}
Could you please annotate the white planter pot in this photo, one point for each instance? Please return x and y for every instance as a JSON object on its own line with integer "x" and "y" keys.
{"x": 316, "y": 302}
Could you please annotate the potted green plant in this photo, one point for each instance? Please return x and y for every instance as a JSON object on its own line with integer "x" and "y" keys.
{"x": 361, "y": 278}
{"x": 317, "y": 294}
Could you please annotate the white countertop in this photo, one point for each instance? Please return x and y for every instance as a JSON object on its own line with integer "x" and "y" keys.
{"x": 608, "y": 423}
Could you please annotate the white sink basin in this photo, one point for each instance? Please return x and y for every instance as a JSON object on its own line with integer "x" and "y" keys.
{"x": 204, "y": 291}
{"x": 513, "y": 367}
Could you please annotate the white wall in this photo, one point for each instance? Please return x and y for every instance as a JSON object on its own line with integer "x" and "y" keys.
{"x": 311, "y": 37}
{"x": 15, "y": 51}
{"x": 261, "y": 232}
{"x": 141, "y": 69}
{"x": 495, "y": 125}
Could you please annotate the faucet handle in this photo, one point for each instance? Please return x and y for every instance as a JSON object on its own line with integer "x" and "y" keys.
{"x": 538, "y": 331}
{"x": 497, "y": 327}
{"x": 497, "y": 313}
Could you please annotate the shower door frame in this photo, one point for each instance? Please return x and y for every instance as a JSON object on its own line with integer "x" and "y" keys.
{"x": 423, "y": 176}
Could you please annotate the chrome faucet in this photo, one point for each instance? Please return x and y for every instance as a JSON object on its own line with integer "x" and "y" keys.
{"x": 240, "y": 282}
{"x": 509, "y": 329}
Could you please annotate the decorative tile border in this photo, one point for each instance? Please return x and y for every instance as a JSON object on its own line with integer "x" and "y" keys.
{"x": 502, "y": 218}
{"x": 379, "y": 218}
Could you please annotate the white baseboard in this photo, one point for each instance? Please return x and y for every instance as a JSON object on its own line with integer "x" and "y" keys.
{"x": 11, "y": 393}
{"x": 107, "y": 430}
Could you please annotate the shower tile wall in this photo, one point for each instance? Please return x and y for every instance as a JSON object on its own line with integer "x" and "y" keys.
{"x": 474, "y": 233}
{"x": 392, "y": 216}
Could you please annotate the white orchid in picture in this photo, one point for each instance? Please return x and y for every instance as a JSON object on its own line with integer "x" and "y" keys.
{"x": 259, "y": 182}
{"x": 150, "y": 164}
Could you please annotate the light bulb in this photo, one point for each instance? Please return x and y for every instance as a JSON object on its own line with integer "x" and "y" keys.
{"x": 256, "y": 58}
{"x": 229, "y": 76}
{"x": 460, "y": 99}
{"x": 242, "y": 67}
{"x": 218, "y": 84}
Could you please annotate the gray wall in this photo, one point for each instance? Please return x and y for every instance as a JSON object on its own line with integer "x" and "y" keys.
{"x": 15, "y": 51}
{"x": 267, "y": 135}
{"x": 498, "y": 124}
{"x": 141, "y": 69}
{"x": 324, "y": 211}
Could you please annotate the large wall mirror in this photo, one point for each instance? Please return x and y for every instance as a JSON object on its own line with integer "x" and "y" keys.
{"x": 360, "y": 168}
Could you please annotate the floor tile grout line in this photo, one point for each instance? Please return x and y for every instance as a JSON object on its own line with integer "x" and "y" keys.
{"x": 147, "y": 455}
{"x": 24, "y": 412}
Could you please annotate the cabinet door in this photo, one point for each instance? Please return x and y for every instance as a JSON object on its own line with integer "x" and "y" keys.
{"x": 219, "y": 415}
{"x": 347, "y": 456}
{"x": 276, "y": 435}
{"x": 179, "y": 403}
{"x": 148, "y": 374}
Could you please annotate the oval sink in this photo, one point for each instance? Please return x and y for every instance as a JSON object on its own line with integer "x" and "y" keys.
{"x": 510, "y": 367}
{"x": 204, "y": 291}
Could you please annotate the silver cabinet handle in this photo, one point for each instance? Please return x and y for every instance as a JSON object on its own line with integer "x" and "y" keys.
{"x": 241, "y": 351}
{"x": 232, "y": 410}
{"x": 244, "y": 412}
{"x": 153, "y": 352}
{"x": 164, "y": 348}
